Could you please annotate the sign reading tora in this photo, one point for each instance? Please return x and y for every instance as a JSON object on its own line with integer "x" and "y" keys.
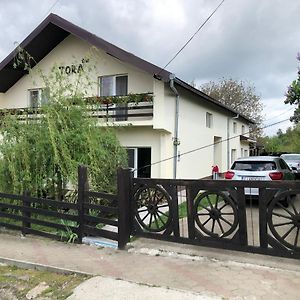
{"x": 73, "y": 69}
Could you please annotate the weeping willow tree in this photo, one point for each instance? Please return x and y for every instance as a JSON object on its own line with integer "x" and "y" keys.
{"x": 41, "y": 149}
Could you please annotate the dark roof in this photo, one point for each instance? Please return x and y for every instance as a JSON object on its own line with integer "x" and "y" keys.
{"x": 49, "y": 34}
{"x": 55, "y": 29}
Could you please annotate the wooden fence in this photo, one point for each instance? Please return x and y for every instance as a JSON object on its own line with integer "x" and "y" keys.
{"x": 87, "y": 214}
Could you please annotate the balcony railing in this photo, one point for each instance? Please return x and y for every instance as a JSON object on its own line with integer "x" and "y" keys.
{"x": 136, "y": 107}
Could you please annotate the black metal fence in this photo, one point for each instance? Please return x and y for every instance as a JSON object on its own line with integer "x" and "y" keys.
{"x": 259, "y": 217}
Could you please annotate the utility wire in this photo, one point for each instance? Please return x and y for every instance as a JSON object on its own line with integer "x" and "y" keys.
{"x": 278, "y": 115}
{"x": 207, "y": 146}
{"x": 190, "y": 39}
{"x": 50, "y": 9}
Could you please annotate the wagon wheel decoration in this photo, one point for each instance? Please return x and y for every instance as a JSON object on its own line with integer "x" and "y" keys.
{"x": 215, "y": 214}
{"x": 153, "y": 208}
{"x": 284, "y": 222}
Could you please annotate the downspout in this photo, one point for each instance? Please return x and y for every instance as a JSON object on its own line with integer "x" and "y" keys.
{"x": 228, "y": 139}
{"x": 228, "y": 145}
{"x": 175, "y": 138}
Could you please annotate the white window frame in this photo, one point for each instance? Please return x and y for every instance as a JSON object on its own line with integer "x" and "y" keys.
{"x": 209, "y": 120}
{"x": 243, "y": 129}
{"x": 135, "y": 159}
{"x": 40, "y": 92}
{"x": 114, "y": 83}
{"x": 234, "y": 127}
{"x": 233, "y": 155}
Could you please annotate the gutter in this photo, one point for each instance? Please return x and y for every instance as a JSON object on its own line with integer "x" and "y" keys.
{"x": 176, "y": 141}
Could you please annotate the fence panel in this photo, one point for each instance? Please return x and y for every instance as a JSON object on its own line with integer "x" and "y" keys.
{"x": 218, "y": 213}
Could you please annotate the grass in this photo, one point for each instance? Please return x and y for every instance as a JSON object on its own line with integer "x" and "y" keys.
{"x": 16, "y": 283}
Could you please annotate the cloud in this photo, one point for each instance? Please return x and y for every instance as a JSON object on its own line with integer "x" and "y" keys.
{"x": 255, "y": 41}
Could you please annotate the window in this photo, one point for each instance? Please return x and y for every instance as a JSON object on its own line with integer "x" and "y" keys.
{"x": 38, "y": 97}
{"x": 116, "y": 85}
{"x": 283, "y": 164}
{"x": 234, "y": 127}
{"x": 209, "y": 120}
{"x": 242, "y": 152}
{"x": 243, "y": 129}
{"x": 233, "y": 155}
{"x": 246, "y": 153}
{"x": 254, "y": 165}
{"x": 140, "y": 160}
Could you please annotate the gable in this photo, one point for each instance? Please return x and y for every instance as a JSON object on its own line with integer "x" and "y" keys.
{"x": 54, "y": 29}
{"x": 49, "y": 34}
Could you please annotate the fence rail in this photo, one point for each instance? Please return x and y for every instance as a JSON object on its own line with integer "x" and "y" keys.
{"x": 259, "y": 217}
{"x": 63, "y": 220}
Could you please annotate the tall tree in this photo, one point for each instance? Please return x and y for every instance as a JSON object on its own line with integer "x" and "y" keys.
{"x": 239, "y": 96}
{"x": 293, "y": 96}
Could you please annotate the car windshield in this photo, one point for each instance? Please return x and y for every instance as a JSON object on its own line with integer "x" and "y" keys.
{"x": 254, "y": 165}
{"x": 291, "y": 157}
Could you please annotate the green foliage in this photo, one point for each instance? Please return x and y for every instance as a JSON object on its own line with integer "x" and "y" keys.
{"x": 293, "y": 96}
{"x": 239, "y": 96}
{"x": 41, "y": 150}
{"x": 68, "y": 233}
{"x": 283, "y": 142}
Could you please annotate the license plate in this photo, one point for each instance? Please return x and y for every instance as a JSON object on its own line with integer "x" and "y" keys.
{"x": 252, "y": 178}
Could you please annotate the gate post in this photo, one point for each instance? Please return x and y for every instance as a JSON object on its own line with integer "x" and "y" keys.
{"x": 82, "y": 188}
{"x": 124, "y": 205}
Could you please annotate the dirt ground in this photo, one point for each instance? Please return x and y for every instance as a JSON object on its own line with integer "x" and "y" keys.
{"x": 17, "y": 283}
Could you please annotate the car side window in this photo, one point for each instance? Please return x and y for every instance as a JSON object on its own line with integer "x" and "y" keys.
{"x": 283, "y": 164}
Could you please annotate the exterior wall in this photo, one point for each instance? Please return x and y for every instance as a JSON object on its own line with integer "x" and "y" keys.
{"x": 157, "y": 140}
{"x": 71, "y": 51}
{"x": 193, "y": 134}
{"x": 157, "y": 133}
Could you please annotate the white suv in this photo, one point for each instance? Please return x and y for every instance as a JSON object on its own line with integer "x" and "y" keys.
{"x": 259, "y": 168}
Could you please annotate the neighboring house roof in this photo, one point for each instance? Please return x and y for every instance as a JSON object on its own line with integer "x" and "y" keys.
{"x": 55, "y": 29}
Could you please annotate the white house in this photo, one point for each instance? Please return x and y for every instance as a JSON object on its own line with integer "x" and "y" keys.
{"x": 182, "y": 133}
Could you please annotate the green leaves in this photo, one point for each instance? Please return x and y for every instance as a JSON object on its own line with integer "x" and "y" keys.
{"x": 41, "y": 150}
{"x": 293, "y": 97}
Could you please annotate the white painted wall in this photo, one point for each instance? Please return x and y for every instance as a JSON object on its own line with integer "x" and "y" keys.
{"x": 159, "y": 142}
{"x": 71, "y": 51}
{"x": 158, "y": 133}
{"x": 194, "y": 134}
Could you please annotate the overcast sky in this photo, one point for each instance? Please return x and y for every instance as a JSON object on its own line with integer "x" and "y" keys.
{"x": 251, "y": 40}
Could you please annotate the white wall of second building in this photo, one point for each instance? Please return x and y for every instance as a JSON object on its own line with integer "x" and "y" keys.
{"x": 194, "y": 134}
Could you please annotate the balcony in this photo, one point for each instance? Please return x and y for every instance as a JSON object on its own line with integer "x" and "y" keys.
{"x": 132, "y": 108}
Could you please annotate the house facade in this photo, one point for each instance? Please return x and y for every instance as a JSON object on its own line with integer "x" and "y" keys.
{"x": 181, "y": 133}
